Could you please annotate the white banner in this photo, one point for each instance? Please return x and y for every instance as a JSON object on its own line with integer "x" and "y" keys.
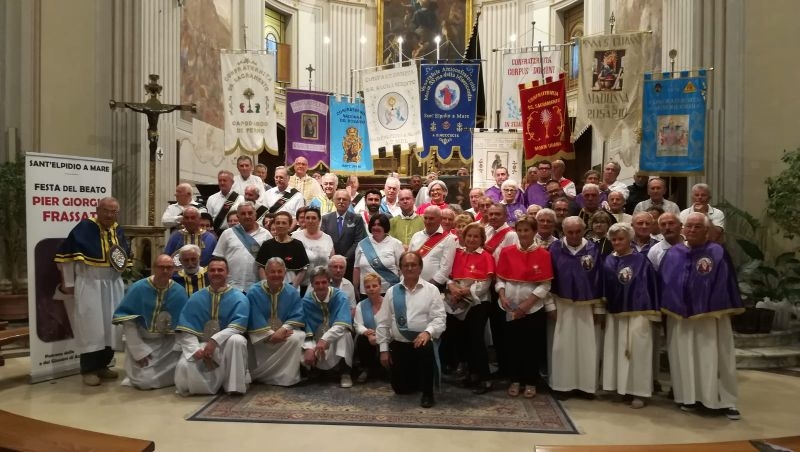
{"x": 391, "y": 99}
{"x": 492, "y": 149}
{"x": 60, "y": 191}
{"x": 248, "y": 85}
{"x": 519, "y": 68}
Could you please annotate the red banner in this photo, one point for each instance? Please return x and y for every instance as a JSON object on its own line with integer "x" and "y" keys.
{"x": 545, "y": 125}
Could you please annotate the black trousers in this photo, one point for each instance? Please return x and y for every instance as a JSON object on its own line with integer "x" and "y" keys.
{"x": 94, "y": 361}
{"x": 497, "y": 321}
{"x": 523, "y": 337}
{"x": 475, "y": 327}
{"x": 413, "y": 369}
{"x": 367, "y": 354}
{"x": 453, "y": 347}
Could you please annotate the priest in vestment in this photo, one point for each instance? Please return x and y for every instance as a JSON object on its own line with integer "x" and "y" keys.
{"x": 276, "y": 328}
{"x": 213, "y": 350}
{"x": 629, "y": 287}
{"x": 700, "y": 293}
{"x": 149, "y": 314}
{"x": 329, "y": 325}
{"x": 579, "y": 309}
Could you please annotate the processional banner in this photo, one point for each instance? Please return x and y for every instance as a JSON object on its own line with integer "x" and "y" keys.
{"x": 521, "y": 68}
{"x": 610, "y": 83}
{"x": 674, "y": 124}
{"x": 449, "y": 96}
{"x": 349, "y": 150}
{"x": 391, "y": 99}
{"x": 248, "y": 84}
{"x": 60, "y": 191}
{"x": 307, "y": 127}
{"x": 492, "y": 149}
{"x": 545, "y": 129}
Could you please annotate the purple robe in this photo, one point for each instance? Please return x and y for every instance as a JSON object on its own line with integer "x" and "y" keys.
{"x": 579, "y": 199}
{"x": 536, "y": 193}
{"x": 514, "y": 211}
{"x": 698, "y": 281}
{"x": 629, "y": 284}
{"x": 576, "y": 277}
{"x": 494, "y": 193}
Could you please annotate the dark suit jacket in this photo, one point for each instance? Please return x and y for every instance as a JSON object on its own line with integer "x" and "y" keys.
{"x": 352, "y": 233}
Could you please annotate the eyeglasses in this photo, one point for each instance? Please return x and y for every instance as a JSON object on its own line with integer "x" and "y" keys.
{"x": 509, "y": 189}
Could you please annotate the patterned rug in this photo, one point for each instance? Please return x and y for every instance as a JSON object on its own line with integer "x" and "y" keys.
{"x": 374, "y": 404}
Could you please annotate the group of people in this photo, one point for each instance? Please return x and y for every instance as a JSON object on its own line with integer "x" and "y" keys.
{"x": 574, "y": 288}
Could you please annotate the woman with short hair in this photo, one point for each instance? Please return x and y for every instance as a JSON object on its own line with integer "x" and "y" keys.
{"x": 318, "y": 245}
{"x": 365, "y": 324}
{"x": 284, "y": 246}
{"x": 378, "y": 253}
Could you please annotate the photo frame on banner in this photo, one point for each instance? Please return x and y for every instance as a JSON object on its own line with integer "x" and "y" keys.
{"x": 494, "y": 148}
{"x": 418, "y": 23}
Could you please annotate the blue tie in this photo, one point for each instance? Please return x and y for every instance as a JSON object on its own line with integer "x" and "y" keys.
{"x": 339, "y": 225}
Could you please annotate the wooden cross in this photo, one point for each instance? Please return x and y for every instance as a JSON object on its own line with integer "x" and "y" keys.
{"x": 310, "y": 69}
{"x": 152, "y": 108}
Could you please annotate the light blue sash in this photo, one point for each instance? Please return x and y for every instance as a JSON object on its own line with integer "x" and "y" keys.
{"x": 376, "y": 264}
{"x": 247, "y": 240}
{"x": 366, "y": 312}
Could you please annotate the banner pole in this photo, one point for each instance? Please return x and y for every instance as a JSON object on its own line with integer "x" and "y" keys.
{"x": 352, "y": 72}
{"x": 533, "y": 31}
{"x": 541, "y": 61}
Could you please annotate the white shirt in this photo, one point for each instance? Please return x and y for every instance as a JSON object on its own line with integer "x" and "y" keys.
{"x": 217, "y": 200}
{"x": 240, "y": 184}
{"x": 667, "y": 205}
{"x": 716, "y": 216}
{"x": 295, "y": 202}
{"x": 622, "y": 217}
{"x": 173, "y": 214}
{"x": 620, "y": 187}
{"x": 657, "y": 252}
{"x": 394, "y": 209}
{"x": 348, "y": 289}
{"x": 318, "y": 251}
{"x": 517, "y": 292}
{"x": 358, "y": 319}
{"x": 510, "y": 239}
{"x": 424, "y": 312}
{"x": 388, "y": 251}
{"x": 436, "y": 265}
{"x": 242, "y": 268}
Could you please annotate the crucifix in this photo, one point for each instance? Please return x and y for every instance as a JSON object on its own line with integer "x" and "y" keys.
{"x": 152, "y": 108}
{"x": 310, "y": 69}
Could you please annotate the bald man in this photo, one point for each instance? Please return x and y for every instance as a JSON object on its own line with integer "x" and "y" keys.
{"x": 303, "y": 182}
{"x": 436, "y": 247}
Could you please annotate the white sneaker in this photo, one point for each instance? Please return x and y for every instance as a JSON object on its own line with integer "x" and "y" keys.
{"x": 345, "y": 381}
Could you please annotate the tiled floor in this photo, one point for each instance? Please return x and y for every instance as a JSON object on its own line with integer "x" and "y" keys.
{"x": 768, "y": 402}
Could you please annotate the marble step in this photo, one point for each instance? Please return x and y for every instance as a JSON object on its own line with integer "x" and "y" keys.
{"x": 768, "y": 357}
{"x": 773, "y": 339}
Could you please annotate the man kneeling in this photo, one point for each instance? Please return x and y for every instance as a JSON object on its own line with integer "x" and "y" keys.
{"x": 149, "y": 313}
{"x": 212, "y": 357}
{"x": 329, "y": 342}
{"x": 276, "y": 327}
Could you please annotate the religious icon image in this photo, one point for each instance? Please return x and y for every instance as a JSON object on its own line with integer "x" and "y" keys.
{"x": 704, "y": 265}
{"x": 550, "y": 119}
{"x": 500, "y": 159}
{"x": 673, "y": 136}
{"x": 587, "y": 263}
{"x": 309, "y": 126}
{"x": 624, "y": 275}
{"x": 393, "y": 110}
{"x": 448, "y": 94}
{"x": 607, "y": 75}
{"x": 352, "y": 145}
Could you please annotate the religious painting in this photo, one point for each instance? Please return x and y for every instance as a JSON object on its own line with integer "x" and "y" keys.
{"x": 499, "y": 160}
{"x": 205, "y": 29}
{"x": 673, "y": 136}
{"x": 309, "y": 126}
{"x": 418, "y": 23}
{"x": 607, "y": 73}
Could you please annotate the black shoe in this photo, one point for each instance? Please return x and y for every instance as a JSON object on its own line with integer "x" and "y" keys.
{"x": 731, "y": 413}
{"x": 482, "y": 387}
{"x": 426, "y": 401}
{"x": 688, "y": 407}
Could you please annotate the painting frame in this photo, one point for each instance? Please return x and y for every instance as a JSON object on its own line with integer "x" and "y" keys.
{"x": 393, "y": 18}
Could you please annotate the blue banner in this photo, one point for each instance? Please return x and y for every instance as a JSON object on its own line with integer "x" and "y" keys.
{"x": 349, "y": 149}
{"x": 448, "y": 96}
{"x": 674, "y": 124}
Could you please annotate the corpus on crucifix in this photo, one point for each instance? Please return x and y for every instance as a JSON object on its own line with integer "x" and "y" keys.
{"x": 152, "y": 108}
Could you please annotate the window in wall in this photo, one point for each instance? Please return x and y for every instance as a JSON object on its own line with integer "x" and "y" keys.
{"x": 275, "y": 41}
{"x": 573, "y": 28}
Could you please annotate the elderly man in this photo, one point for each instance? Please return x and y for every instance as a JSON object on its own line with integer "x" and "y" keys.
{"x": 282, "y": 197}
{"x": 337, "y": 266}
{"x": 616, "y": 206}
{"x": 390, "y": 204}
{"x": 642, "y": 226}
{"x": 276, "y": 327}
{"x": 262, "y": 172}
{"x": 411, "y": 316}
{"x": 246, "y": 177}
{"x": 610, "y": 182}
{"x": 223, "y": 201}
{"x": 91, "y": 261}
{"x": 561, "y": 207}
{"x": 302, "y": 182}
{"x": 329, "y": 327}
{"x": 499, "y": 234}
{"x": 251, "y": 195}
{"x": 239, "y": 245}
{"x": 325, "y": 202}
{"x": 536, "y": 193}
{"x": 210, "y": 328}
{"x": 191, "y": 234}
{"x": 591, "y": 204}
{"x": 345, "y": 229}
{"x": 579, "y": 309}
{"x": 191, "y": 276}
{"x": 657, "y": 188}
{"x": 436, "y": 248}
{"x": 173, "y": 214}
{"x": 701, "y": 196}
{"x": 558, "y": 175}
{"x": 448, "y": 220}
{"x": 475, "y": 195}
{"x": 407, "y": 223}
{"x": 149, "y": 314}
{"x": 352, "y": 190}
{"x": 514, "y": 208}
{"x": 699, "y": 294}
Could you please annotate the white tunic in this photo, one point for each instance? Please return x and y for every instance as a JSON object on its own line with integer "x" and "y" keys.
{"x": 239, "y": 184}
{"x": 295, "y": 202}
{"x": 162, "y": 353}
{"x": 242, "y": 268}
{"x": 193, "y": 377}
{"x": 388, "y": 251}
{"x": 276, "y": 364}
{"x": 217, "y": 200}
{"x": 318, "y": 251}
{"x": 436, "y": 265}
{"x": 628, "y": 355}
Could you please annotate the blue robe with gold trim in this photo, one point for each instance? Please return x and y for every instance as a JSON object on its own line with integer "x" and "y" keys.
{"x": 289, "y": 307}
{"x": 87, "y": 243}
{"x": 192, "y": 283}
{"x": 233, "y": 312}
{"x": 144, "y": 302}
{"x": 338, "y": 311}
